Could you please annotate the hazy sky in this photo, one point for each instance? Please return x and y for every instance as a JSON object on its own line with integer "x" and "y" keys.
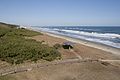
{"x": 60, "y": 12}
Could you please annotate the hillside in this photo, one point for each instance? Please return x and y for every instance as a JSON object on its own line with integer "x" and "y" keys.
{"x": 15, "y": 49}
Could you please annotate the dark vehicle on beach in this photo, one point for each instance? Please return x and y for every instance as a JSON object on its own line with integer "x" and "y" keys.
{"x": 67, "y": 45}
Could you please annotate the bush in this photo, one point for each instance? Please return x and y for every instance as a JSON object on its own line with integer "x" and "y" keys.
{"x": 15, "y": 49}
{"x": 57, "y": 46}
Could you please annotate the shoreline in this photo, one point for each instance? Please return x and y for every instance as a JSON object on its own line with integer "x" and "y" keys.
{"x": 103, "y": 47}
{"x": 87, "y": 43}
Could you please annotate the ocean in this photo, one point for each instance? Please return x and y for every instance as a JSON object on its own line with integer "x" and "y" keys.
{"x": 104, "y": 35}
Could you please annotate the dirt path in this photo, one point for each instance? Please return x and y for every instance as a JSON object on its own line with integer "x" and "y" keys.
{"x": 14, "y": 70}
{"x": 77, "y": 55}
{"x": 110, "y": 60}
{"x": 35, "y": 65}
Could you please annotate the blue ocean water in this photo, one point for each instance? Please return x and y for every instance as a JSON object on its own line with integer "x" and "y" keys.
{"x": 105, "y": 35}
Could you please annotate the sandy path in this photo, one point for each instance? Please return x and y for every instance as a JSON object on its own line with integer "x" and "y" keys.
{"x": 19, "y": 69}
{"x": 77, "y": 55}
{"x": 88, "y": 70}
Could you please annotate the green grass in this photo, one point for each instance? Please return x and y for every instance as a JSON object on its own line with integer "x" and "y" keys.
{"x": 25, "y": 32}
{"x": 15, "y": 49}
{"x": 7, "y": 78}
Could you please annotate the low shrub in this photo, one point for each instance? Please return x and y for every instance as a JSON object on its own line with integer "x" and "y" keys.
{"x": 57, "y": 46}
{"x": 15, "y": 49}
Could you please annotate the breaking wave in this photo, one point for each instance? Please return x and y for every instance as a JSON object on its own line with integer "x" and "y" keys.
{"x": 111, "y": 39}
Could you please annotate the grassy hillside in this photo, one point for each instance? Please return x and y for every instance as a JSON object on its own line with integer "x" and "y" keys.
{"x": 15, "y": 49}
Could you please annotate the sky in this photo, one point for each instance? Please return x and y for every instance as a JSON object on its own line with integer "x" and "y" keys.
{"x": 61, "y": 12}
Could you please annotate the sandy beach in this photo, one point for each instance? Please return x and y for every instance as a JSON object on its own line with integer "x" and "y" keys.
{"x": 88, "y": 43}
{"x": 84, "y": 48}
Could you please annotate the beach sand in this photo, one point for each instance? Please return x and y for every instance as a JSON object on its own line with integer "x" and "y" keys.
{"x": 85, "y": 49}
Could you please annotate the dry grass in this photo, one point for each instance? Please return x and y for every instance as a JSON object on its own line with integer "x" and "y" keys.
{"x": 75, "y": 71}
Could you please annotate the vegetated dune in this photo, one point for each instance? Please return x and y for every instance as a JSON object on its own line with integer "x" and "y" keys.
{"x": 16, "y": 49}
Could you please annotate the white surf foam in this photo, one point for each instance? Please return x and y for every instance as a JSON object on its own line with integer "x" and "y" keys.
{"x": 95, "y": 34}
{"x": 103, "y": 38}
